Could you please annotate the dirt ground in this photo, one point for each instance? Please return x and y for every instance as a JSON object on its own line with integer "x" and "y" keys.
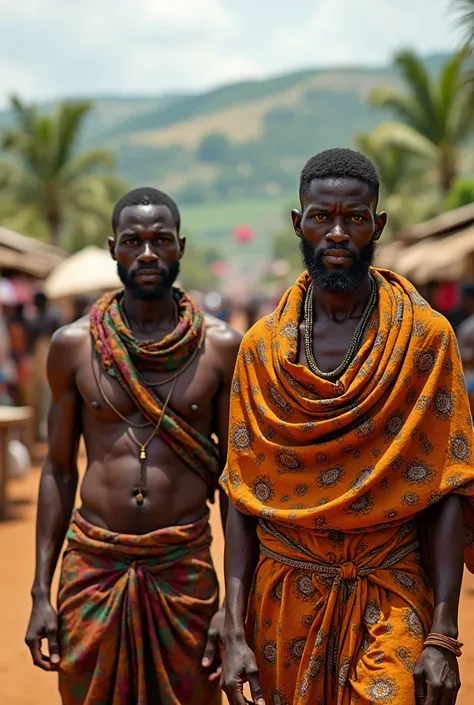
{"x": 22, "y": 684}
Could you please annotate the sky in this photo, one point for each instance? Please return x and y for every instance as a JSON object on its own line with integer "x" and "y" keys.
{"x": 51, "y": 49}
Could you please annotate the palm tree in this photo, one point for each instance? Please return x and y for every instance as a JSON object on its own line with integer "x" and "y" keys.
{"x": 402, "y": 173}
{"x": 48, "y": 188}
{"x": 464, "y": 10}
{"x": 436, "y": 114}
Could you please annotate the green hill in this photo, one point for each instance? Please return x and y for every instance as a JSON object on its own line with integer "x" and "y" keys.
{"x": 232, "y": 155}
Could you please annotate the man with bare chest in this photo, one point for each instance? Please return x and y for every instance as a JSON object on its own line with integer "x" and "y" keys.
{"x": 145, "y": 380}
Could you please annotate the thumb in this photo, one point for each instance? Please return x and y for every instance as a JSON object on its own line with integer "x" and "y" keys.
{"x": 255, "y": 688}
{"x": 420, "y": 688}
{"x": 53, "y": 646}
{"x": 210, "y": 648}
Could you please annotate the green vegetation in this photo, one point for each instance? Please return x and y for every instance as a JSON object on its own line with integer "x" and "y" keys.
{"x": 48, "y": 189}
{"x": 435, "y": 113}
{"x": 464, "y": 10}
{"x": 461, "y": 193}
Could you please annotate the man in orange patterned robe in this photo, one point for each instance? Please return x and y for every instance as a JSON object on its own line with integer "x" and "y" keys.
{"x": 349, "y": 473}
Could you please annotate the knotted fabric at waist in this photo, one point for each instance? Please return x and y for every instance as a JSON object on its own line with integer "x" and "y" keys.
{"x": 296, "y": 554}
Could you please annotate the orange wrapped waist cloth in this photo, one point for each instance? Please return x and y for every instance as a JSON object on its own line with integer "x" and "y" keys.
{"x": 338, "y": 471}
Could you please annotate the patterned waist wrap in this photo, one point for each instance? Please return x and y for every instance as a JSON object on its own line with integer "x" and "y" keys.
{"x": 338, "y": 619}
{"x": 134, "y": 611}
{"x": 117, "y": 351}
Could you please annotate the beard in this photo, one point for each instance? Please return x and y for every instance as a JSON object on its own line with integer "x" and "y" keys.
{"x": 158, "y": 292}
{"x": 333, "y": 281}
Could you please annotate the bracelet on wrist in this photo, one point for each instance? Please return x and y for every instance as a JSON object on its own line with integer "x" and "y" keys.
{"x": 444, "y": 642}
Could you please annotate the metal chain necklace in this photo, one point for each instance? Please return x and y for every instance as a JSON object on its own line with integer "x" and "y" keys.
{"x": 140, "y": 489}
{"x": 356, "y": 338}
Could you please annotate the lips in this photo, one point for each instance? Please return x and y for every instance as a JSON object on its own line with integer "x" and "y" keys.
{"x": 337, "y": 256}
{"x": 148, "y": 274}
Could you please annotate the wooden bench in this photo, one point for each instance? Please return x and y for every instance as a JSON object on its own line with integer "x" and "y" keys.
{"x": 10, "y": 417}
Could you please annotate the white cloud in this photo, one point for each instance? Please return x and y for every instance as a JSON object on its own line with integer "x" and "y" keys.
{"x": 56, "y": 48}
{"x": 344, "y": 31}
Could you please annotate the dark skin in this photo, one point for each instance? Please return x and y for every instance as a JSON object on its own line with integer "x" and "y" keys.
{"x": 146, "y": 236}
{"x": 342, "y": 212}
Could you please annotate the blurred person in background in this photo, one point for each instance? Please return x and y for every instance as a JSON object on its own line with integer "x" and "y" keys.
{"x": 465, "y": 308}
{"x": 145, "y": 379}
{"x": 465, "y": 336}
{"x": 41, "y": 327}
{"x": 5, "y": 362}
{"x": 17, "y": 327}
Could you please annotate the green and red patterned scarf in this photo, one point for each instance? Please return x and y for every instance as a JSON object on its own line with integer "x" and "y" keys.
{"x": 116, "y": 349}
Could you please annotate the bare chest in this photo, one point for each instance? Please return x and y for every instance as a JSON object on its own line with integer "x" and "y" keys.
{"x": 190, "y": 394}
{"x": 331, "y": 343}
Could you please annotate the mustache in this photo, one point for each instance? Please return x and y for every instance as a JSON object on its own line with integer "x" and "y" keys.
{"x": 150, "y": 268}
{"x": 336, "y": 248}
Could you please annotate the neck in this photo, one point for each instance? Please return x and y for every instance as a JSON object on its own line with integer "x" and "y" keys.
{"x": 342, "y": 305}
{"x": 149, "y": 316}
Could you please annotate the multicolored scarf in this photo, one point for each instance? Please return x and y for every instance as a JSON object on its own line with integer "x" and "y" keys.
{"x": 117, "y": 351}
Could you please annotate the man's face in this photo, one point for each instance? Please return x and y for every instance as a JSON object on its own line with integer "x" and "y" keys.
{"x": 147, "y": 249}
{"x": 338, "y": 228}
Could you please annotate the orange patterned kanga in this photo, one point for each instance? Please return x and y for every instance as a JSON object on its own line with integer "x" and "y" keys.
{"x": 337, "y": 473}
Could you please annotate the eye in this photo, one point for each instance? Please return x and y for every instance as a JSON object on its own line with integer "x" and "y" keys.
{"x": 320, "y": 217}
{"x": 356, "y": 218}
{"x": 130, "y": 241}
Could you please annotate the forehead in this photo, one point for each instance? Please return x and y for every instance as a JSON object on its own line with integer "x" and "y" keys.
{"x": 146, "y": 218}
{"x": 338, "y": 191}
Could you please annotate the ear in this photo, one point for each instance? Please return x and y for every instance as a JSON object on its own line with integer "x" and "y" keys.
{"x": 380, "y": 223}
{"x": 111, "y": 243}
{"x": 296, "y": 217}
{"x": 182, "y": 246}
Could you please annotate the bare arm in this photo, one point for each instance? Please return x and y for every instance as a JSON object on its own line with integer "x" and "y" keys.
{"x": 437, "y": 673}
{"x": 226, "y": 342}
{"x": 240, "y": 560}
{"x": 228, "y": 348}
{"x": 57, "y": 490}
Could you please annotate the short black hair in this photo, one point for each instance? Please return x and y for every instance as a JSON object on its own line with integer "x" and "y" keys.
{"x": 146, "y": 196}
{"x": 339, "y": 163}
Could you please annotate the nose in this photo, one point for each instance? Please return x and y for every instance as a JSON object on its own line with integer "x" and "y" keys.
{"x": 147, "y": 254}
{"x": 337, "y": 234}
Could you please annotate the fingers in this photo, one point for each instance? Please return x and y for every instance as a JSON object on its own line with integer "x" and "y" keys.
{"x": 234, "y": 693}
{"x": 216, "y": 674}
{"x": 433, "y": 694}
{"x": 210, "y": 648}
{"x": 450, "y": 692}
{"x": 420, "y": 688}
{"x": 39, "y": 659}
{"x": 53, "y": 648}
{"x": 256, "y": 690}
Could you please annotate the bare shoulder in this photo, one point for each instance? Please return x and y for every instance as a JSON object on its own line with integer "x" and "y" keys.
{"x": 67, "y": 341}
{"x": 224, "y": 340}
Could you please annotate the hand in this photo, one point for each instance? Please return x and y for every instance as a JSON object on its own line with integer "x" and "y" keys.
{"x": 213, "y": 650}
{"x": 239, "y": 667}
{"x": 43, "y": 625}
{"x": 436, "y": 676}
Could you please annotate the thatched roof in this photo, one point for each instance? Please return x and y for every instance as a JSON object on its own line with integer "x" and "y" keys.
{"x": 21, "y": 253}
{"x": 445, "y": 224}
